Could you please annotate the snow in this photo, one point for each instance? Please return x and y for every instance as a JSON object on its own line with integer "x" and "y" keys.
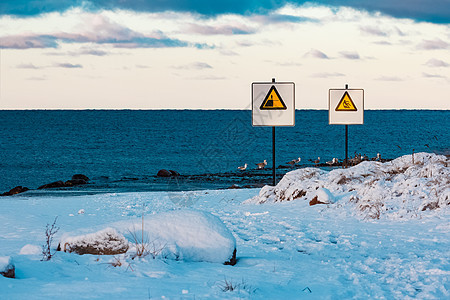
{"x": 285, "y": 247}
{"x": 396, "y": 189}
{"x": 183, "y": 234}
{"x": 30, "y": 250}
{"x": 5, "y": 262}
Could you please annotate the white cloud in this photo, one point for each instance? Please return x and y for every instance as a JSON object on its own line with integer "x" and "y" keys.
{"x": 436, "y": 63}
{"x": 316, "y": 54}
{"x": 435, "y": 44}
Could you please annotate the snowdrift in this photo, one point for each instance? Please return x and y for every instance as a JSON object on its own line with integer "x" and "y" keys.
{"x": 187, "y": 235}
{"x": 406, "y": 186}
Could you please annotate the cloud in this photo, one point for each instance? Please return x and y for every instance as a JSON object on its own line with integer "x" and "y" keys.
{"x": 349, "y": 54}
{"x": 372, "y": 30}
{"x": 436, "y": 63}
{"x": 219, "y": 29}
{"x": 68, "y": 65}
{"x": 142, "y": 67}
{"x": 195, "y": 66}
{"x": 280, "y": 18}
{"x": 27, "y": 66}
{"x": 435, "y": 44}
{"x": 389, "y": 78}
{"x": 316, "y": 54}
{"x": 95, "y": 29}
{"x": 327, "y": 75}
{"x": 433, "y": 76}
{"x": 28, "y": 41}
{"x": 422, "y": 10}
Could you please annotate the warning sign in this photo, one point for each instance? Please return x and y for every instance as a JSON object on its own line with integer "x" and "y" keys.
{"x": 273, "y": 104}
{"x": 273, "y": 100}
{"x": 346, "y": 106}
{"x": 346, "y": 103}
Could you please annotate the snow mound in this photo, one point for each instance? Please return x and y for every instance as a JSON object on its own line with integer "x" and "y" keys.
{"x": 406, "y": 186}
{"x": 103, "y": 242}
{"x": 29, "y": 249}
{"x": 186, "y": 234}
{"x": 7, "y": 268}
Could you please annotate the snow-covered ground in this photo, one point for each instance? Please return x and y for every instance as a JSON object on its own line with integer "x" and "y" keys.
{"x": 385, "y": 233}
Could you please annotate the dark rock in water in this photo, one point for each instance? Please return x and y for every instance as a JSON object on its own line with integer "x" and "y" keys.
{"x": 17, "y": 190}
{"x": 234, "y": 186}
{"x": 232, "y": 260}
{"x": 9, "y": 270}
{"x": 80, "y": 177}
{"x": 284, "y": 167}
{"x": 73, "y": 182}
{"x": 174, "y": 173}
{"x": 164, "y": 173}
{"x": 56, "y": 184}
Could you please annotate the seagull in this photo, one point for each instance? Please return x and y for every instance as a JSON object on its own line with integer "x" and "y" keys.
{"x": 378, "y": 158}
{"x": 294, "y": 161}
{"x": 261, "y": 165}
{"x": 333, "y": 161}
{"x": 242, "y": 168}
{"x": 317, "y": 160}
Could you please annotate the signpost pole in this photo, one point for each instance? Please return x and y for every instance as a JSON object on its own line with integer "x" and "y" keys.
{"x": 346, "y": 140}
{"x": 273, "y": 152}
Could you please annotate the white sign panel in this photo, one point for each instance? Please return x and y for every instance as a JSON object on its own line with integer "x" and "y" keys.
{"x": 273, "y": 104}
{"x": 346, "y": 106}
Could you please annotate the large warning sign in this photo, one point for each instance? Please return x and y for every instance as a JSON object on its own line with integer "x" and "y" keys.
{"x": 273, "y": 104}
{"x": 346, "y": 106}
{"x": 273, "y": 100}
{"x": 346, "y": 103}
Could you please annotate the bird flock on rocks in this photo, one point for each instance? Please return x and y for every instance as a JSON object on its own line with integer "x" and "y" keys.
{"x": 335, "y": 161}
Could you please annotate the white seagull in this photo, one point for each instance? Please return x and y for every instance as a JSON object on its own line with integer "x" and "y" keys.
{"x": 261, "y": 165}
{"x": 242, "y": 168}
{"x": 333, "y": 161}
{"x": 317, "y": 160}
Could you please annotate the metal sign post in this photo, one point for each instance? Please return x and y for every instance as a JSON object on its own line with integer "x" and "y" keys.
{"x": 346, "y": 107}
{"x": 273, "y": 104}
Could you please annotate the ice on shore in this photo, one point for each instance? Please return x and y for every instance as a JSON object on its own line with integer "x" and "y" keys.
{"x": 396, "y": 189}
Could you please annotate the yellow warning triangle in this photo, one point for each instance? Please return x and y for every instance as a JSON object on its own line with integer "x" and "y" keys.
{"x": 346, "y": 103}
{"x": 273, "y": 100}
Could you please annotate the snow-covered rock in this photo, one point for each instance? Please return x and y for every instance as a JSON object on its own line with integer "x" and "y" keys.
{"x": 7, "y": 268}
{"x": 188, "y": 235}
{"x": 29, "y": 249}
{"x": 397, "y": 189}
{"x": 104, "y": 242}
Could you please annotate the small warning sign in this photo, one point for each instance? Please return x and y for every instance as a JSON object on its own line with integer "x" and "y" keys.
{"x": 346, "y": 104}
{"x": 273, "y": 101}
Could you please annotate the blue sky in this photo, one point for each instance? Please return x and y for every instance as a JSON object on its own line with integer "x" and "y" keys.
{"x": 205, "y": 54}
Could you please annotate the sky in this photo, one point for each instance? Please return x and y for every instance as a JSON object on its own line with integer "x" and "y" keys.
{"x": 198, "y": 54}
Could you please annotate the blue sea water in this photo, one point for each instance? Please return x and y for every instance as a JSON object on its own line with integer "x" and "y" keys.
{"x": 124, "y": 149}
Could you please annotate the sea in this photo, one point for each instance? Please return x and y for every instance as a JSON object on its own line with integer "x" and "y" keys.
{"x": 123, "y": 150}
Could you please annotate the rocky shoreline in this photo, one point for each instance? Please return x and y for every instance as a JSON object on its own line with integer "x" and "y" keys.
{"x": 172, "y": 180}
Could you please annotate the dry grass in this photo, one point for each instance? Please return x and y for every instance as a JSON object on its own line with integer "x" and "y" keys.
{"x": 50, "y": 231}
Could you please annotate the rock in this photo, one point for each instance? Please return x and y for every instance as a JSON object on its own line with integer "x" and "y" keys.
{"x": 7, "y": 268}
{"x": 56, "y": 184}
{"x": 234, "y": 186}
{"x": 315, "y": 201}
{"x": 17, "y": 190}
{"x": 232, "y": 260}
{"x": 174, "y": 173}
{"x": 164, "y": 173}
{"x": 80, "y": 177}
{"x": 73, "y": 182}
{"x": 103, "y": 242}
